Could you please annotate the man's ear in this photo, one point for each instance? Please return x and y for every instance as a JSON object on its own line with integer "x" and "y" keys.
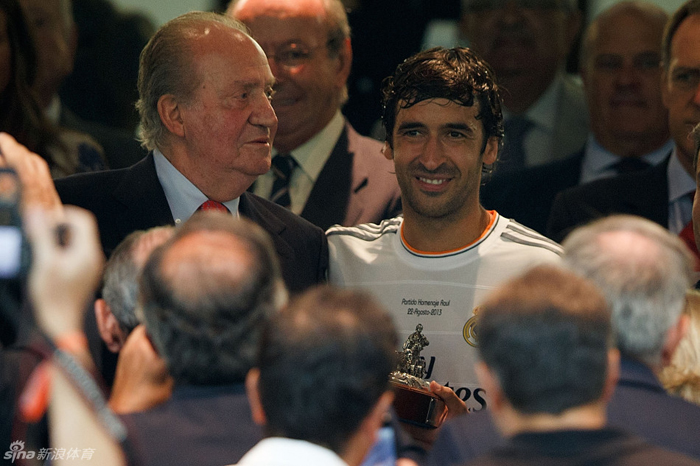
{"x": 108, "y": 326}
{"x": 360, "y": 442}
{"x": 252, "y": 390}
{"x": 388, "y": 151}
{"x": 490, "y": 383}
{"x": 171, "y": 115}
{"x": 376, "y": 417}
{"x": 344, "y": 63}
{"x": 583, "y": 73}
{"x": 491, "y": 151}
{"x": 664, "y": 87}
{"x": 612, "y": 374}
{"x": 673, "y": 338}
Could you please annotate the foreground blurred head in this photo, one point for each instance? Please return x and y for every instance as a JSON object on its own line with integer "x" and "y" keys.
{"x": 205, "y": 294}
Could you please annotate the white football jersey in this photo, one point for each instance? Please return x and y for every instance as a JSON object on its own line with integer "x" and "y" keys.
{"x": 441, "y": 291}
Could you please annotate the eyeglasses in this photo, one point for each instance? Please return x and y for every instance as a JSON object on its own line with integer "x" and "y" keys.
{"x": 293, "y": 54}
{"x": 487, "y": 5}
{"x": 643, "y": 62}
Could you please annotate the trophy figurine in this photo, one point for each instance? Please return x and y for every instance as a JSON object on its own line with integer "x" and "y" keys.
{"x": 414, "y": 402}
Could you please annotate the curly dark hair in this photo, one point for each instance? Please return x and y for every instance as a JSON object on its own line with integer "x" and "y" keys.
{"x": 456, "y": 74}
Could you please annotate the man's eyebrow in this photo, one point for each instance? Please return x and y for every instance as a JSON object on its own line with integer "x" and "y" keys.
{"x": 410, "y": 125}
{"x": 460, "y": 126}
{"x": 247, "y": 85}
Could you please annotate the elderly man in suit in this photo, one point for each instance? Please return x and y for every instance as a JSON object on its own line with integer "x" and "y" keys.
{"x": 205, "y": 295}
{"x": 664, "y": 192}
{"x": 205, "y": 88}
{"x": 322, "y": 169}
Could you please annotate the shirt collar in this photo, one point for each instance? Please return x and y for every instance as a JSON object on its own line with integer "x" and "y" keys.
{"x": 184, "y": 198}
{"x": 543, "y": 113}
{"x": 598, "y": 159}
{"x": 313, "y": 154}
{"x": 680, "y": 182}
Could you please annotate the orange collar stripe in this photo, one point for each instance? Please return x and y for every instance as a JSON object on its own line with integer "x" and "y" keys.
{"x": 492, "y": 219}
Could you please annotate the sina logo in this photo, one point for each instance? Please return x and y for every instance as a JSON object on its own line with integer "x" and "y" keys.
{"x": 17, "y": 452}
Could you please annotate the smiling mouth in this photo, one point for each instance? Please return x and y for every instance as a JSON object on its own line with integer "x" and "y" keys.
{"x": 263, "y": 141}
{"x": 432, "y": 181}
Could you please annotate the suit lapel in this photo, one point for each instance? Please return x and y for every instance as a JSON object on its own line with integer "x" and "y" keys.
{"x": 647, "y": 195}
{"x": 328, "y": 201}
{"x": 360, "y": 181}
{"x": 252, "y": 209}
{"x": 141, "y": 192}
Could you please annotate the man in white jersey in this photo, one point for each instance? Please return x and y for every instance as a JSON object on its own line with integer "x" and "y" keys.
{"x": 434, "y": 265}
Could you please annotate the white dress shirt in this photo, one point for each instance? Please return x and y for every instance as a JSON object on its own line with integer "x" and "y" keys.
{"x": 598, "y": 161}
{"x": 310, "y": 157}
{"x": 184, "y": 198}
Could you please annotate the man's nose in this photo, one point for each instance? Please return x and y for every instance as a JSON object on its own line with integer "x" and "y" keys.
{"x": 432, "y": 156}
{"x": 264, "y": 114}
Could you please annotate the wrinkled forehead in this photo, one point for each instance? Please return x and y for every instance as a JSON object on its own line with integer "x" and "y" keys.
{"x": 228, "y": 43}
{"x": 246, "y": 10}
{"x": 274, "y": 23}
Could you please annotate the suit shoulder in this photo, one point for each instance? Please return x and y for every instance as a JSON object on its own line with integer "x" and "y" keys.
{"x": 367, "y": 149}
{"x": 602, "y": 188}
{"x": 76, "y": 189}
{"x": 555, "y": 175}
{"x": 288, "y": 218}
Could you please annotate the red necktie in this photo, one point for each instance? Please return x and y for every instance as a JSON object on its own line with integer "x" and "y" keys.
{"x": 214, "y": 205}
{"x": 689, "y": 239}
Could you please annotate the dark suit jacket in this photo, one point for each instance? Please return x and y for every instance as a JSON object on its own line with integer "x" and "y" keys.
{"x": 197, "y": 425}
{"x": 132, "y": 199}
{"x": 643, "y": 193}
{"x": 356, "y": 185}
{"x": 527, "y": 195}
{"x": 639, "y": 406}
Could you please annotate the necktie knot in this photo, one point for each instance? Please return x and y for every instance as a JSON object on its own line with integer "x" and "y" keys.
{"x": 214, "y": 205}
{"x": 283, "y": 165}
{"x": 629, "y": 165}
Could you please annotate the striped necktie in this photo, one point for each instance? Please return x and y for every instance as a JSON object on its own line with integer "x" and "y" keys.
{"x": 282, "y": 167}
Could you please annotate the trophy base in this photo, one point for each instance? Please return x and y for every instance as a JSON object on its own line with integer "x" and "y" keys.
{"x": 418, "y": 406}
